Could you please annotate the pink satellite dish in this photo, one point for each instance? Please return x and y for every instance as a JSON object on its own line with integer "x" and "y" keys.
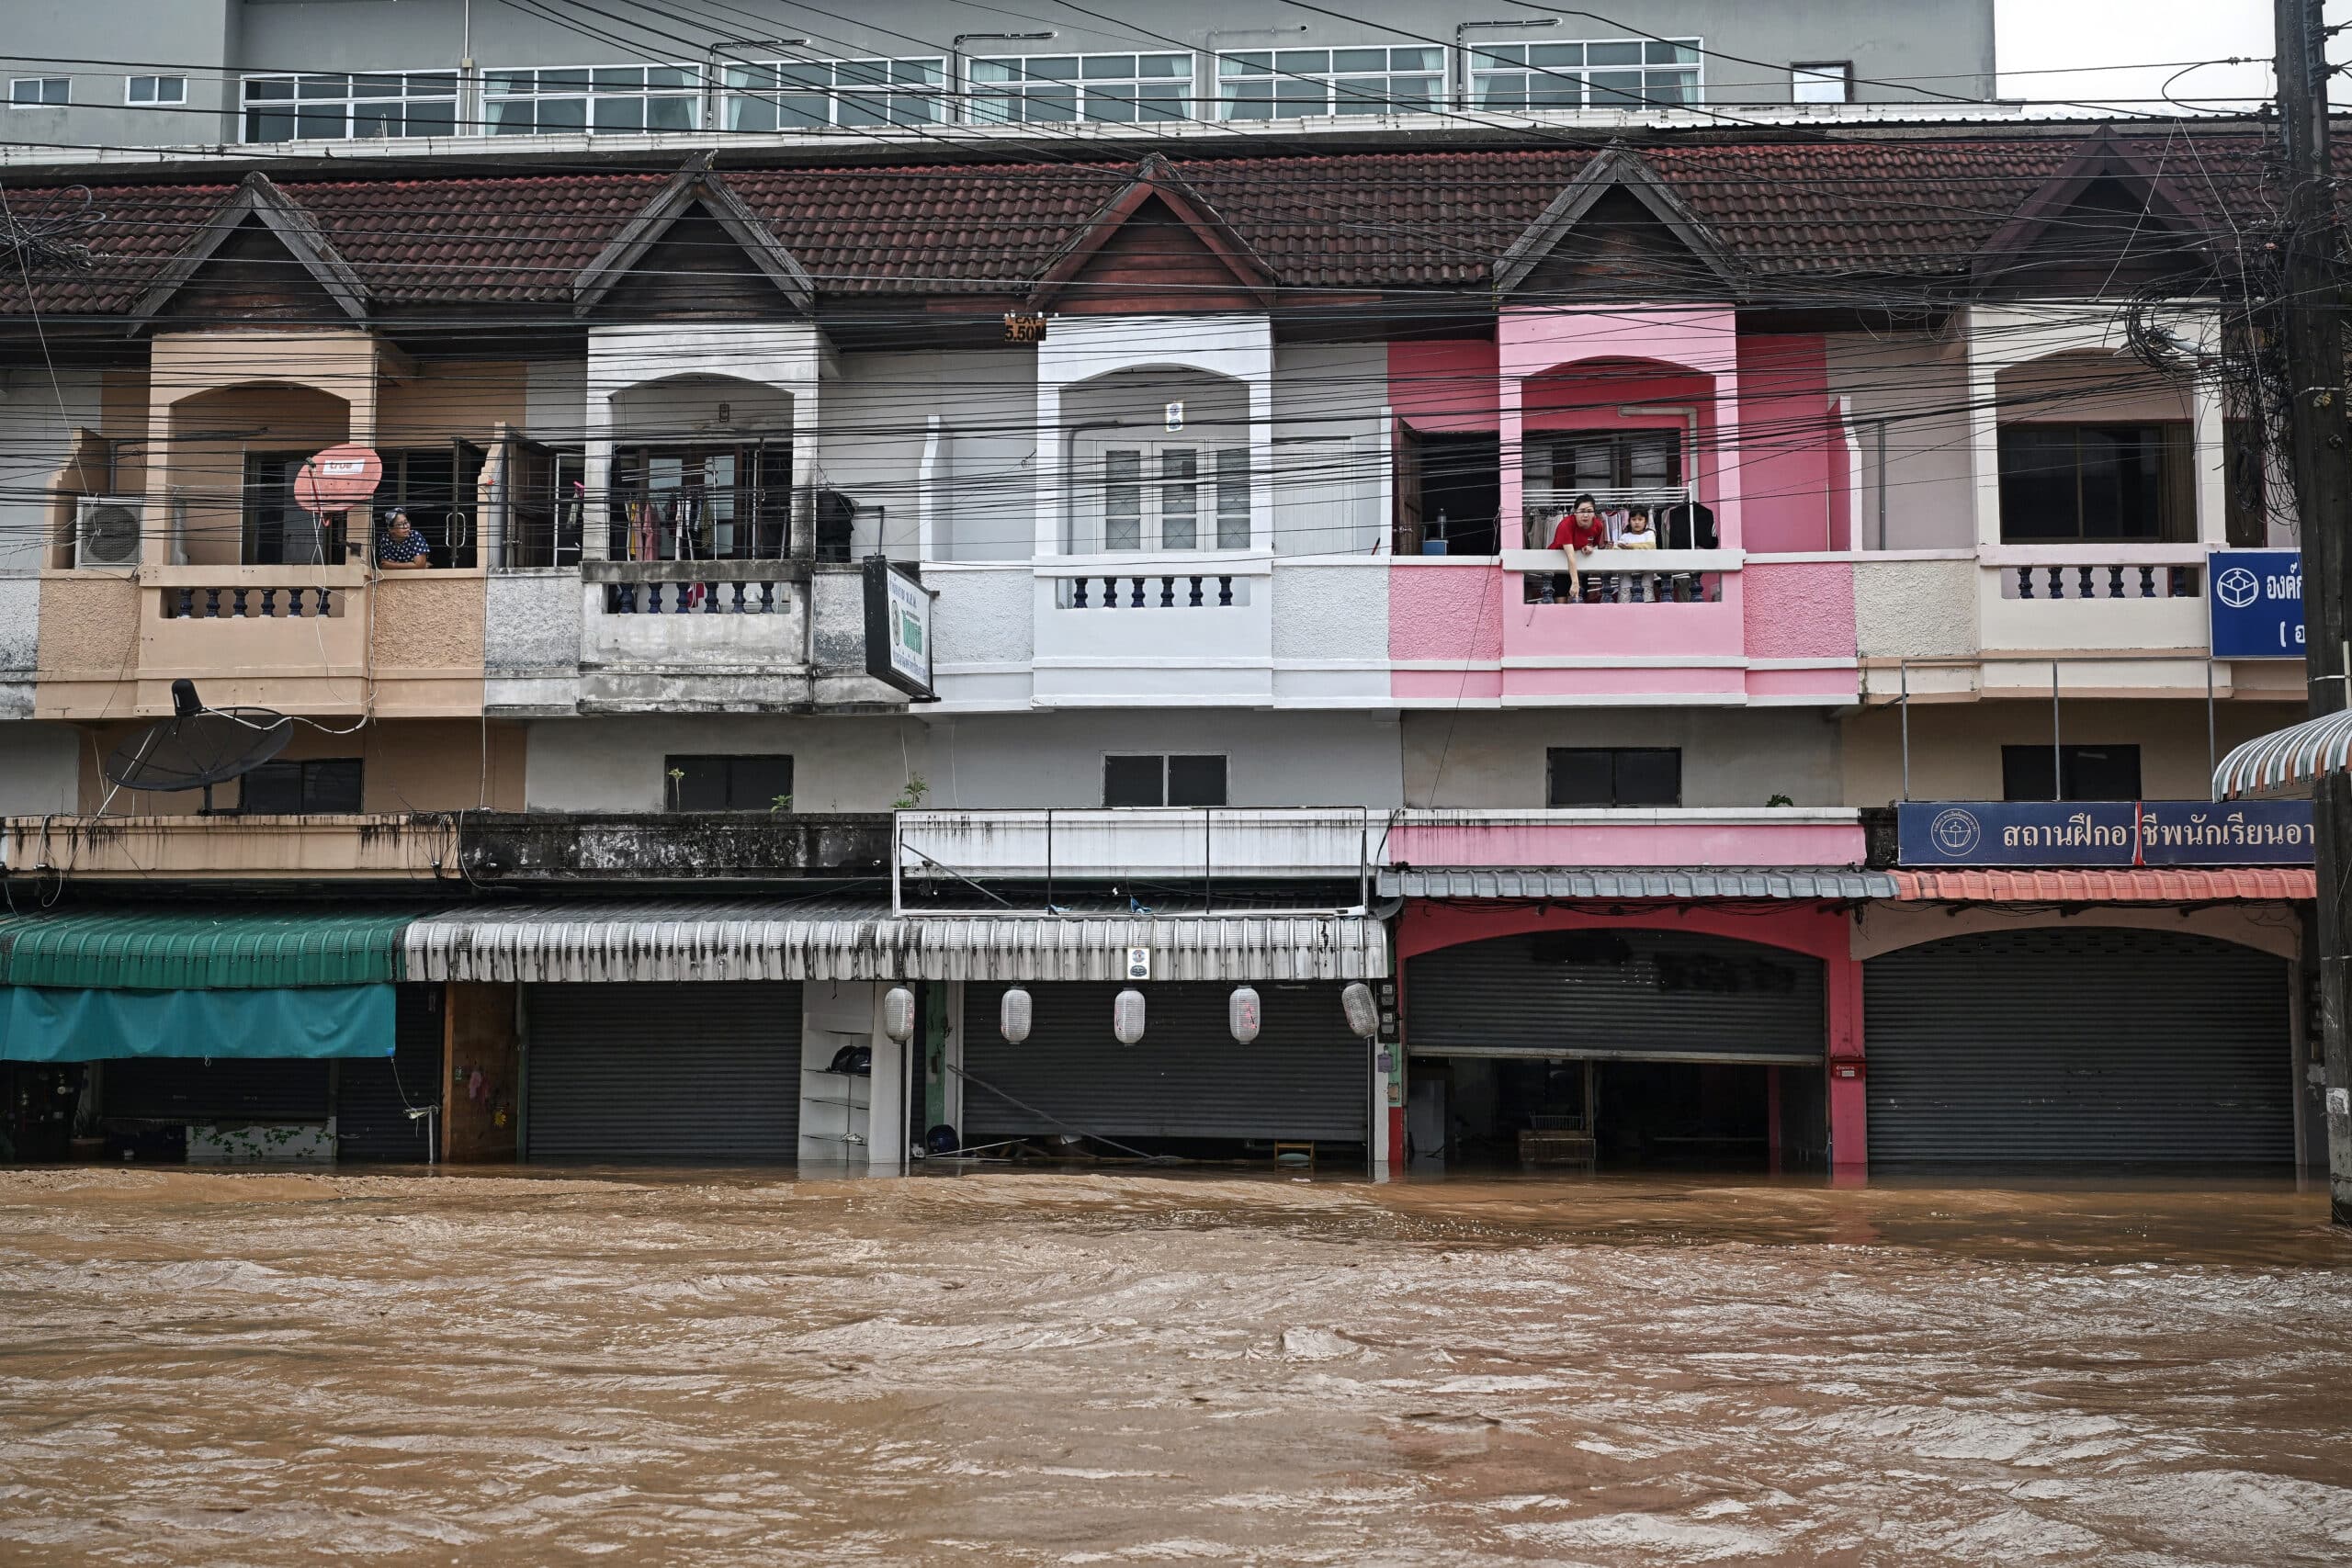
{"x": 338, "y": 478}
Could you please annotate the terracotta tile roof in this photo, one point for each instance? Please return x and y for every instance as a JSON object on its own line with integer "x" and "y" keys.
{"x": 2144, "y": 884}
{"x": 1369, "y": 222}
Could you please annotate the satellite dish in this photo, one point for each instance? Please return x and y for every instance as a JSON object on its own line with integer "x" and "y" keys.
{"x": 338, "y": 479}
{"x": 198, "y": 746}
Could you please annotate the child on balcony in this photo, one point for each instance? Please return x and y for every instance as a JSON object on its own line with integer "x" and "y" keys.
{"x": 1637, "y": 535}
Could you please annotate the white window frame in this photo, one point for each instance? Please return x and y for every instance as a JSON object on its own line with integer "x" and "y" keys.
{"x": 1837, "y": 74}
{"x": 499, "y": 87}
{"x": 130, "y": 91}
{"x": 358, "y": 88}
{"x": 1214, "y": 486}
{"x": 877, "y": 92}
{"x": 1090, "y": 82}
{"x": 1286, "y": 73}
{"x": 39, "y": 102}
{"x": 1543, "y": 67}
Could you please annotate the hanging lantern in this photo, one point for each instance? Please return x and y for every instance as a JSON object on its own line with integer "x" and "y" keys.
{"x": 899, "y": 1014}
{"x": 1012, "y": 1014}
{"x": 1363, "y": 1014}
{"x": 1126, "y": 1017}
{"x": 1241, "y": 1013}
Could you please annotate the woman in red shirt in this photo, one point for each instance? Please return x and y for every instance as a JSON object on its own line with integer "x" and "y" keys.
{"x": 1582, "y": 529}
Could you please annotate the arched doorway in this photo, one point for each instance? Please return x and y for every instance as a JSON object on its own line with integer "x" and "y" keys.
{"x": 2079, "y": 1044}
{"x": 1661, "y": 1048}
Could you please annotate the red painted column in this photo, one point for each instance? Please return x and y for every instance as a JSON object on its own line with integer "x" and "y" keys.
{"x": 1848, "y": 1085}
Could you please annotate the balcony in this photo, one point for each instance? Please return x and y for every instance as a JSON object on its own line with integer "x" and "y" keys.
{"x": 417, "y": 847}
{"x": 1745, "y": 837}
{"x": 718, "y": 637}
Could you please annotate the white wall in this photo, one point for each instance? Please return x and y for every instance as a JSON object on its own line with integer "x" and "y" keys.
{"x": 1330, "y": 449}
{"x": 34, "y": 437}
{"x": 839, "y": 763}
{"x": 1919, "y": 386}
{"x": 1285, "y": 759}
{"x": 980, "y": 405}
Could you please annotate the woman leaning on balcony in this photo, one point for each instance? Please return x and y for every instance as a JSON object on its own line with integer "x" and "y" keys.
{"x": 1582, "y": 529}
{"x": 400, "y": 547}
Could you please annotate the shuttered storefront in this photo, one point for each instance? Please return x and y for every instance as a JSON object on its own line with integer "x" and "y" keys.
{"x": 219, "y": 1088}
{"x": 664, "y": 1072}
{"x": 2096, "y": 1046}
{"x": 1305, "y": 1077}
{"x": 372, "y": 1094}
{"x": 1616, "y": 993}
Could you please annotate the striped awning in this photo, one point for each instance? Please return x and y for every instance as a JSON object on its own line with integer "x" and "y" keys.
{"x": 836, "y": 940}
{"x": 2284, "y": 761}
{"x": 1668, "y": 883}
{"x": 2137, "y": 885}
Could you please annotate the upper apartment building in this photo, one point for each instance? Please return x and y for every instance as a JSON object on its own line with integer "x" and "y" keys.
{"x": 1234, "y": 482}
{"x": 297, "y": 76}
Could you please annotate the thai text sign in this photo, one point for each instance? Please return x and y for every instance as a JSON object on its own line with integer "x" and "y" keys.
{"x": 2255, "y": 598}
{"x": 2104, "y": 832}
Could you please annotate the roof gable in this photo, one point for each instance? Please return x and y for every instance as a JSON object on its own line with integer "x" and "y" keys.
{"x": 257, "y": 208}
{"x": 1157, "y": 245}
{"x": 699, "y": 201}
{"x": 1619, "y": 227}
{"x": 2105, "y": 205}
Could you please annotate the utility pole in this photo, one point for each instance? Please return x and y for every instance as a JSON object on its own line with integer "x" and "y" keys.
{"x": 2320, "y": 459}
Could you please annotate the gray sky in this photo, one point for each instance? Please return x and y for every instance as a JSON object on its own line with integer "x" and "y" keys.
{"x": 2153, "y": 37}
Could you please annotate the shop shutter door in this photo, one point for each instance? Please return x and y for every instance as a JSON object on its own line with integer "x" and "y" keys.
{"x": 1305, "y": 1077}
{"x": 1662, "y": 996}
{"x": 664, "y": 1072}
{"x": 2096, "y": 1046}
{"x": 193, "y": 1088}
{"x": 372, "y": 1094}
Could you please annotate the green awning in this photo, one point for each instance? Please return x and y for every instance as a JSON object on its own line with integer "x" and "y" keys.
{"x": 45, "y": 1024}
{"x": 203, "y": 949}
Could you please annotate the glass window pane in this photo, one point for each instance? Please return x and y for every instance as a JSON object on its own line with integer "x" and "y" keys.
{"x": 375, "y": 119}
{"x": 862, "y": 72}
{"x": 1361, "y": 95}
{"x": 273, "y": 789}
{"x": 1647, "y": 777}
{"x": 1293, "y": 100}
{"x": 668, "y": 114}
{"x": 1303, "y": 59}
{"x": 268, "y": 124}
{"x": 1245, "y": 64}
{"x": 671, "y": 76}
{"x": 1555, "y": 91}
{"x": 1667, "y": 87}
{"x": 799, "y": 111}
{"x": 1114, "y": 106}
{"x": 914, "y": 108}
{"x": 804, "y": 73}
{"x": 1616, "y": 86}
{"x": 1132, "y": 780}
{"x": 862, "y": 108}
{"x": 1501, "y": 92}
{"x": 997, "y": 109}
{"x": 432, "y": 118}
{"x": 374, "y": 86}
{"x": 619, "y": 79}
{"x": 316, "y": 121}
{"x": 510, "y": 83}
{"x": 568, "y": 80}
{"x": 1052, "y": 106}
{"x": 323, "y": 87}
{"x": 1488, "y": 54}
{"x": 1160, "y": 101}
{"x": 1250, "y": 100}
{"x": 437, "y": 86}
{"x": 269, "y": 88}
{"x": 332, "y": 786}
{"x": 1164, "y": 66}
{"x": 1108, "y": 67}
{"x": 510, "y": 117}
{"x": 1196, "y": 780}
{"x": 143, "y": 90}
{"x": 1233, "y": 498}
{"x": 697, "y": 784}
{"x": 1415, "y": 60}
{"x": 1614, "y": 54}
{"x": 758, "y": 784}
{"x": 919, "y": 73}
{"x": 563, "y": 114}
{"x": 1581, "y": 776}
{"x": 750, "y": 114}
{"x": 1179, "y": 468}
{"x": 1123, "y": 498}
{"x": 171, "y": 89}
{"x": 996, "y": 71}
{"x": 1412, "y": 92}
{"x": 1548, "y": 54}
{"x": 1359, "y": 60}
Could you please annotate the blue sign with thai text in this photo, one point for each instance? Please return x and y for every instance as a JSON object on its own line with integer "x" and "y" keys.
{"x": 2016, "y": 832}
{"x": 2255, "y": 600}
{"x": 2104, "y": 832}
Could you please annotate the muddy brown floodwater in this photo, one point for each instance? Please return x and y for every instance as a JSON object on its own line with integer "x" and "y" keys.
{"x": 1110, "y": 1369}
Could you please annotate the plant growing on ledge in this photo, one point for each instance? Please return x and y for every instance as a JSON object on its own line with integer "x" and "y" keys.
{"x": 1778, "y": 800}
{"x": 781, "y": 803}
{"x": 911, "y": 797}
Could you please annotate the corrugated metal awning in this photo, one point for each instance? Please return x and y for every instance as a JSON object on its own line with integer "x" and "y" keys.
{"x": 2146, "y": 885}
{"x": 2284, "y": 761}
{"x": 1825, "y": 881}
{"x": 748, "y": 939}
{"x": 191, "y": 949}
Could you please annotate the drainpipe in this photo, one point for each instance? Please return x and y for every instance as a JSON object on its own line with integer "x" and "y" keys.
{"x": 1461, "y": 59}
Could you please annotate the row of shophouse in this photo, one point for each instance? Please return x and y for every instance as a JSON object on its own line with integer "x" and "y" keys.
{"x": 1018, "y": 583}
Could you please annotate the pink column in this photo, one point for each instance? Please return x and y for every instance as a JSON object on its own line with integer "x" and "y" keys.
{"x": 1848, "y": 1085}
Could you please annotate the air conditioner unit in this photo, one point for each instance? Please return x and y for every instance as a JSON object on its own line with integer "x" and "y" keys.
{"x": 106, "y": 532}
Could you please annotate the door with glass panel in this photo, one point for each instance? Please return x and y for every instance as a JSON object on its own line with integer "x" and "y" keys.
{"x": 1151, "y": 496}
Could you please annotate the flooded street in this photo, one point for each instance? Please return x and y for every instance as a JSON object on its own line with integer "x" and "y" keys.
{"x": 1041, "y": 1367}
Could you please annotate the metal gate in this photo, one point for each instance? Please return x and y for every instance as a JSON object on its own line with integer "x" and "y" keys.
{"x": 1616, "y": 993}
{"x": 372, "y": 1094}
{"x": 2090, "y": 1044}
{"x": 664, "y": 1072}
{"x": 1305, "y": 1077}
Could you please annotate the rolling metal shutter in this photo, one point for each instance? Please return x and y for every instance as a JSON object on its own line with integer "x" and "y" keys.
{"x": 1616, "y": 993}
{"x": 1305, "y": 1077}
{"x": 664, "y": 1072}
{"x": 224, "y": 1089}
{"x": 372, "y": 1094}
{"x": 2096, "y": 1045}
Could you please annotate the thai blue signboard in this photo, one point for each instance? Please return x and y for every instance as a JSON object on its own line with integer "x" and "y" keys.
{"x": 2104, "y": 832}
{"x": 2255, "y": 603}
